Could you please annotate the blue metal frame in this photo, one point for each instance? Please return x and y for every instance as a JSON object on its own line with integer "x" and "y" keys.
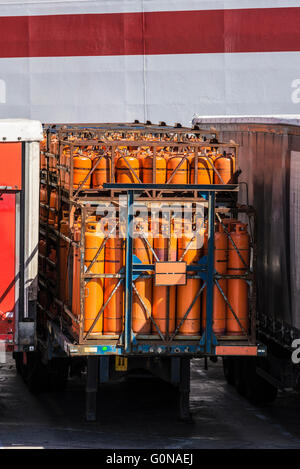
{"x": 128, "y": 272}
{"x": 205, "y": 269}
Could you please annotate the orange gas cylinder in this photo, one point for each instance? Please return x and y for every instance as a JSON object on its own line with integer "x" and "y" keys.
{"x": 54, "y": 144}
{"x": 52, "y": 163}
{"x": 160, "y": 173}
{"x": 220, "y": 264}
{"x": 162, "y": 296}
{"x": 101, "y": 174}
{"x": 43, "y": 201}
{"x": 82, "y": 166}
{"x": 127, "y": 170}
{"x": 42, "y": 247}
{"x": 205, "y": 170}
{"x": 187, "y": 293}
{"x": 53, "y": 208}
{"x": 140, "y": 322}
{"x": 237, "y": 290}
{"x": 229, "y": 223}
{"x": 42, "y": 252}
{"x": 94, "y": 237}
{"x": 224, "y": 165}
{"x": 64, "y": 247}
{"x": 182, "y": 174}
{"x": 114, "y": 261}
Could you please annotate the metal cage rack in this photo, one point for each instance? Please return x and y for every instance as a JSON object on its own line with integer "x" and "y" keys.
{"x": 216, "y": 199}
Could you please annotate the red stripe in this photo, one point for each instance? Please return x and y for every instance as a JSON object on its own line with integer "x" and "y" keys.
{"x": 174, "y": 32}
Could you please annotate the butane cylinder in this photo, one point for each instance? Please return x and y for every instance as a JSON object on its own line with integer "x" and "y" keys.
{"x": 237, "y": 292}
{"x": 181, "y": 176}
{"x": 53, "y": 208}
{"x": 224, "y": 165}
{"x": 82, "y": 166}
{"x": 164, "y": 297}
{"x": 101, "y": 174}
{"x": 94, "y": 238}
{"x": 220, "y": 265}
{"x": 43, "y": 200}
{"x": 205, "y": 170}
{"x": 140, "y": 322}
{"x": 160, "y": 172}
{"x": 114, "y": 261}
{"x": 187, "y": 293}
{"x": 127, "y": 170}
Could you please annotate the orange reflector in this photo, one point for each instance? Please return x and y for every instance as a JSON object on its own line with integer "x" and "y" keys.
{"x": 170, "y": 273}
{"x": 236, "y": 350}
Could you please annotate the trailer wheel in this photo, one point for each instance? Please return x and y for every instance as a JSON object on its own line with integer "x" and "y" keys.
{"x": 58, "y": 370}
{"x": 18, "y": 356}
{"x": 228, "y": 369}
{"x": 35, "y": 373}
{"x": 258, "y": 390}
{"x": 239, "y": 375}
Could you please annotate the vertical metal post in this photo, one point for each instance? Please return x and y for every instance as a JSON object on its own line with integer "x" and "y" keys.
{"x": 128, "y": 272}
{"x": 91, "y": 388}
{"x": 210, "y": 272}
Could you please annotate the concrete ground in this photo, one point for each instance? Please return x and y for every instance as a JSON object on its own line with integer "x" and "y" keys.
{"x": 143, "y": 414}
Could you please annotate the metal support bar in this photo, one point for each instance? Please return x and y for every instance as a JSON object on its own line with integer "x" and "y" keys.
{"x": 210, "y": 273}
{"x": 128, "y": 272}
{"x": 91, "y": 388}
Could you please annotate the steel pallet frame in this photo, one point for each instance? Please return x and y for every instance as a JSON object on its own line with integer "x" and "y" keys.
{"x": 207, "y": 343}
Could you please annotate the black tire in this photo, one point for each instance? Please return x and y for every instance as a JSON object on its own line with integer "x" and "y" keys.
{"x": 184, "y": 407}
{"x": 18, "y": 356}
{"x": 239, "y": 375}
{"x": 35, "y": 374}
{"x": 258, "y": 390}
{"x": 58, "y": 371}
{"x": 228, "y": 369}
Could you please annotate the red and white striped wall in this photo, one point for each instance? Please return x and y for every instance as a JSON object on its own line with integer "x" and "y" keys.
{"x": 114, "y": 60}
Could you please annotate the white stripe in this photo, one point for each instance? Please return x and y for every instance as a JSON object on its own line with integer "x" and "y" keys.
{"x": 63, "y": 7}
{"x": 173, "y": 88}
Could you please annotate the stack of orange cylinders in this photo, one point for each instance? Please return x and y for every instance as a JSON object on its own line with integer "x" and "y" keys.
{"x": 101, "y": 174}
{"x": 187, "y": 293}
{"x": 94, "y": 237}
{"x": 114, "y": 261}
{"x": 76, "y": 265}
{"x": 141, "y": 323}
{"x": 164, "y": 296}
{"x": 220, "y": 265}
{"x": 127, "y": 170}
{"x": 237, "y": 291}
{"x": 224, "y": 165}
{"x": 82, "y": 166}
{"x": 182, "y": 174}
{"x": 205, "y": 170}
{"x": 160, "y": 172}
